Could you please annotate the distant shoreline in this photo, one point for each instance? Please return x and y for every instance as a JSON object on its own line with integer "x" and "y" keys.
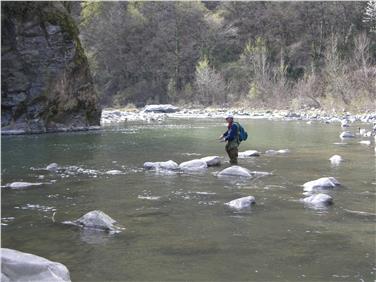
{"x": 120, "y": 115}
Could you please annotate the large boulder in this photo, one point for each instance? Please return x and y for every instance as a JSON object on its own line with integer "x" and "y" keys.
{"x": 320, "y": 184}
{"x": 193, "y": 165}
{"x": 19, "y": 266}
{"x": 46, "y": 84}
{"x": 236, "y": 171}
{"x": 249, "y": 153}
{"x": 166, "y": 108}
{"x": 169, "y": 165}
{"x": 318, "y": 200}
{"x": 212, "y": 160}
{"x": 96, "y": 220}
{"x": 242, "y": 203}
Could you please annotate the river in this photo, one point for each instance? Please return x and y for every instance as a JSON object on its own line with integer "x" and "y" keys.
{"x": 177, "y": 226}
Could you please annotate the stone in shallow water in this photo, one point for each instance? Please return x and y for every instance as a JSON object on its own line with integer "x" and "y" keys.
{"x": 212, "y": 160}
{"x": 169, "y": 165}
{"x": 276, "y": 152}
{"x": 242, "y": 203}
{"x": 193, "y": 165}
{"x": 346, "y": 134}
{"x": 321, "y": 183}
{"x": 96, "y": 220}
{"x": 319, "y": 200}
{"x": 52, "y": 167}
{"x": 336, "y": 159}
{"x": 114, "y": 172}
{"x": 19, "y": 266}
{"x": 235, "y": 171}
{"x": 22, "y": 185}
{"x": 249, "y": 153}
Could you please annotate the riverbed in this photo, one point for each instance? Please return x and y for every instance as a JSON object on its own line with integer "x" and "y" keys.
{"x": 177, "y": 226}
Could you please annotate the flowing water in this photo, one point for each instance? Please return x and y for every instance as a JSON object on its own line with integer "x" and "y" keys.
{"x": 177, "y": 226}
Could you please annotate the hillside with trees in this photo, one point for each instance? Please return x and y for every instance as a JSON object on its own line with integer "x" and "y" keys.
{"x": 259, "y": 54}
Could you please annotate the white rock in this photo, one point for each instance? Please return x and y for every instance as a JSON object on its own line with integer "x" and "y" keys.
{"x": 212, "y": 160}
{"x": 194, "y": 165}
{"x": 52, "y": 167}
{"x": 321, "y": 183}
{"x": 345, "y": 123}
{"x": 19, "y": 266}
{"x": 336, "y": 159}
{"x": 21, "y": 185}
{"x": 249, "y": 153}
{"x": 241, "y": 203}
{"x": 114, "y": 172}
{"x": 346, "y": 134}
{"x": 169, "y": 165}
{"x": 235, "y": 171}
{"x": 276, "y": 152}
{"x": 166, "y": 108}
{"x": 96, "y": 220}
{"x": 365, "y": 142}
{"x": 318, "y": 200}
{"x": 255, "y": 173}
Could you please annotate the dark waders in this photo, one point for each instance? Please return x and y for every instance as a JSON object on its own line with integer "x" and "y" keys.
{"x": 232, "y": 148}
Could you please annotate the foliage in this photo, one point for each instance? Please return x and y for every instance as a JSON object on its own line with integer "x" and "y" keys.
{"x": 262, "y": 53}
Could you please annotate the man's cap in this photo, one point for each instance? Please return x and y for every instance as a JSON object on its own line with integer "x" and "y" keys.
{"x": 229, "y": 115}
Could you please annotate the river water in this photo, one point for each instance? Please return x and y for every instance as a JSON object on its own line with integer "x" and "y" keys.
{"x": 177, "y": 226}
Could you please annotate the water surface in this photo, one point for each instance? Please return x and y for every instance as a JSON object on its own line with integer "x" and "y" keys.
{"x": 177, "y": 226}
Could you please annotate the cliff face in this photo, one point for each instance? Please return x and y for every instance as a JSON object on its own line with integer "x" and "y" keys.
{"x": 46, "y": 84}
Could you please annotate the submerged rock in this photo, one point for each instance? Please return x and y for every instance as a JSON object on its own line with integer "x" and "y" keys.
{"x": 276, "y": 152}
{"x": 235, "y": 171}
{"x": 249, "y": 153}
{"x": 20, "y": 266}
{"x": 193, "y": 165}
{"x": 22, "y": 185}
{"x": 336, "y": 159}
{"x": 212, "y": 160}
{"x": 321, "y": 183}
{"x": 169, "y": 165}
{"x": 96, "y": 220}
{"x": 319, "y": 200}
{"x": 242, "y": 203}
{"x": 346, "y": 134}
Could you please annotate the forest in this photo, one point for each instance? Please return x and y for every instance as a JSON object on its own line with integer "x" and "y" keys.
{"x": 257, "y": 54}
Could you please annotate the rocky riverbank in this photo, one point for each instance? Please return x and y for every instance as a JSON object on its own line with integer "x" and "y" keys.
{"x": 152, "y": 113}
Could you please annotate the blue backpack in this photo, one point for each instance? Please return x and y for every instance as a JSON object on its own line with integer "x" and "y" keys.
{"x": 243, "y": 135}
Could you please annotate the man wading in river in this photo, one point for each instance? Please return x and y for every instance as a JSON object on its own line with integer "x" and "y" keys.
{"x": 232, "y": 138}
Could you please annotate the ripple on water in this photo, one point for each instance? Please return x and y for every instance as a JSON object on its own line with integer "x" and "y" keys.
{"x": 36, "y": 207}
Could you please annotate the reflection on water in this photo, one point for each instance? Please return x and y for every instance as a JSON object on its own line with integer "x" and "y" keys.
{"x": 177, "y": 226}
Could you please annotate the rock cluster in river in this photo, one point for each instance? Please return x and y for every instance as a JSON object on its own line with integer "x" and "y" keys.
{"x": 46, "y": 84}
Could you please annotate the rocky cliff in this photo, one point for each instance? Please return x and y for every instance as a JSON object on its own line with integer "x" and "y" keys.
{"x": 46, "y": 83}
